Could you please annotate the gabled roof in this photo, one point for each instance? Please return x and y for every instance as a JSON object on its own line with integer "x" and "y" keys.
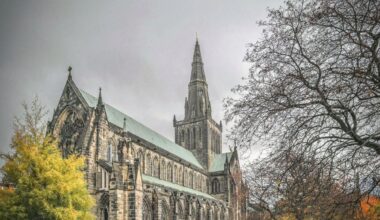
{"x": 159, "y": 182}
{"x": 219, "y": 160}
{"x": 116, "y": 117}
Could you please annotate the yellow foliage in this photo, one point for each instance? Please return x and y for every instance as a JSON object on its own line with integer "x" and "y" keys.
{"x": 47, "y": 186}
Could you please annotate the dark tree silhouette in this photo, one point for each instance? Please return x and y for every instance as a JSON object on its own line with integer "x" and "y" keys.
{"x": 314, "y": 90}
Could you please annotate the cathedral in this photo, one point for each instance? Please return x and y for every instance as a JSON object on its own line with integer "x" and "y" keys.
{"x": 133, "y": 172}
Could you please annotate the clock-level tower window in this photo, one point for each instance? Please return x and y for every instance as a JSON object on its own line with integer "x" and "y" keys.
{"x": 215, "y": 186}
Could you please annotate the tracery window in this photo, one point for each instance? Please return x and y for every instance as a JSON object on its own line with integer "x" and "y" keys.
{"x": 69, "y": 127}
{"x": 215, "y": 186}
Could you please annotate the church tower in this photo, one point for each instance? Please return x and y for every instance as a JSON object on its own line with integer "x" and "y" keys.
{"x": 198, "y": 132}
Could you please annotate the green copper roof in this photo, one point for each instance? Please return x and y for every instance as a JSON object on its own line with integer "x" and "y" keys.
{"x": 218, "y": 162}
{"x": 156, "y": 181}
{"x": 117, "y": 118}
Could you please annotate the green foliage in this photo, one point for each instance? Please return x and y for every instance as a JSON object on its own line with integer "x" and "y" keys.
{"x": 46, "y": 186}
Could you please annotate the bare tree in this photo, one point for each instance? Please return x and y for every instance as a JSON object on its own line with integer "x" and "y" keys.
{"x": 315, "y": 83}
{"x": 315, "y": 76}
{"x": 302, "y": 186}
{"x": 33, "y": 120}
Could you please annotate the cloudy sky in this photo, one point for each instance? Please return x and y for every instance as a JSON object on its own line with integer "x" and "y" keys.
{"x": 139, "y": 52}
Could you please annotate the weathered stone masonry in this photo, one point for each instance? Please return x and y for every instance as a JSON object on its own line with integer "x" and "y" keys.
{"x": 135, "y": 173}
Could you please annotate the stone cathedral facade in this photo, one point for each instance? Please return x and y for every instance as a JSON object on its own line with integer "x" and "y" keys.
{"x": 135, "y": 173}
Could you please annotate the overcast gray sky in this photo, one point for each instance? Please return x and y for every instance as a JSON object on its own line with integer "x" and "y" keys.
{"x": 139, "y": 52}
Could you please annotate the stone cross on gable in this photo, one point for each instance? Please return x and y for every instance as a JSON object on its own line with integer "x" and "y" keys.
{"x": 69, "y": 69}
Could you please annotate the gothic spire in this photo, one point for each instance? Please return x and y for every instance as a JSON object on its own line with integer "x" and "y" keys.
{"x": 197, "y": 103}
{"x": 197, "y": 72}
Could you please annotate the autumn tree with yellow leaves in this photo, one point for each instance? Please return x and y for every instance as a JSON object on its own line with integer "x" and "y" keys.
{"x": 46, "y": 186}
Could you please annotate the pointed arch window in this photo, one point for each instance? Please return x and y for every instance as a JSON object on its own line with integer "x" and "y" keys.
{"x": 163, "y": 170}
{"x": 191, "y": 179}
{"x": 156, "y": 167}
{"x": 109, "y": 152}
{"x": 188, "y": 140}
{"x": 169, "y": 172}
{"x": 215, "y": 186}
{"x": 185, "y": 178}
{"x": 116, "y": 154}
{"x": 175, "y": 179}
{"x": 180, "y": 175}
{"x": 148, "y": 165}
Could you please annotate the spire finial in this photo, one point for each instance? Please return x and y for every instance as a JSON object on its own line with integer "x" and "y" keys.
{"x": 100, "y": 100}
{"x": 69, "y": 69}
{"x": 196, "y": 36}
